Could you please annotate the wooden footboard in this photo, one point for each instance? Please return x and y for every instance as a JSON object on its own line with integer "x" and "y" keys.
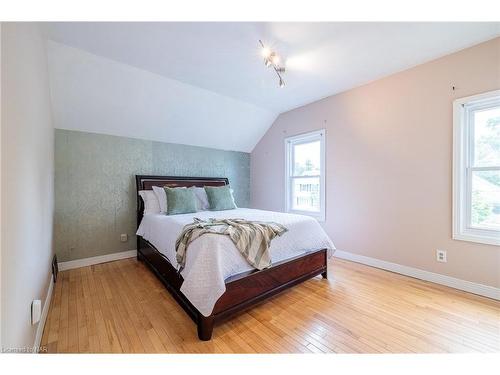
{"x": 246, "y": 289}
{"x": 242, "y": 291}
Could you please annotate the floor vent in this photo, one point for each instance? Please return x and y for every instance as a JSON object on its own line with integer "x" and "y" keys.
{"x": 55, "y": 268}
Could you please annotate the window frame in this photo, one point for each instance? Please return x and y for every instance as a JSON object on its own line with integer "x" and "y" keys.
{"x": 301, "y": 139}
{"x": 463, "y": 168}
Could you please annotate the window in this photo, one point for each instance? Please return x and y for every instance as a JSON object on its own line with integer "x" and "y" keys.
{"x": 476, "y": 168}
{"x": 305, "y": 174}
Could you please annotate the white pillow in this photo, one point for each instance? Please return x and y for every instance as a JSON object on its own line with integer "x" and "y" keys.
{"x": 162, "y": 198}
{"x": 151, "y": 204}
{"x": 232, "y": 195}
{"x": 201, "y": 197}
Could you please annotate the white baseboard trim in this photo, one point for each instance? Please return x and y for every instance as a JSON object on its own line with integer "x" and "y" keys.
{"x": 63, "y": 266}
{"x": 43, "y": 318}
{"x": 468, "y": 286}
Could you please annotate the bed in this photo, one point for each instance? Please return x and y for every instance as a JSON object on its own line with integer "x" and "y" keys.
{"x": 216, "y": 282}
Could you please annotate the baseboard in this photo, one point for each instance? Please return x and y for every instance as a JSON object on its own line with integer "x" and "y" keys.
{"x": 96, "y": 260}
{"x": 468, "y": 286}
{"x": 43, "y": 318}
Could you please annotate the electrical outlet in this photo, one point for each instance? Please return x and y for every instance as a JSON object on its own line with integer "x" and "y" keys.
{"x": 36, "y": 311}
{"x": 441, "y": 256}
{"x": 123, "y": 237}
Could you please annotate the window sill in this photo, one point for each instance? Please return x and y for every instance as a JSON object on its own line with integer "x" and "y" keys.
{"x": 488, "y": 239}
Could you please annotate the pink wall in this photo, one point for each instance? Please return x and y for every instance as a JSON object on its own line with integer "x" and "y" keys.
{"x": 389, "y": 164}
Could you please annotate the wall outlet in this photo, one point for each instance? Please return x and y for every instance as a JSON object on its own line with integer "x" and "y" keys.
{"x": 36, "y": 311}
{"x": 124, "y": 237}
{"x": 441, "y": 256}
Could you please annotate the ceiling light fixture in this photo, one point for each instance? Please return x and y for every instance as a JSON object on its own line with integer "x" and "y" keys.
{"x": 266, "y": 52}
{"x": 272, "y": 59}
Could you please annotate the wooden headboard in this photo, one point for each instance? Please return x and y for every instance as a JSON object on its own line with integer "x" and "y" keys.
{"x": 144, "y": 182}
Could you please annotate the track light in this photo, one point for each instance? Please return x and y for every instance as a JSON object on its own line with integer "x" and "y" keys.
{"x": 272, "y": 59}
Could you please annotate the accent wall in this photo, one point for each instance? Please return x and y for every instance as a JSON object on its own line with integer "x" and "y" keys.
{"x": 95, "y": 194}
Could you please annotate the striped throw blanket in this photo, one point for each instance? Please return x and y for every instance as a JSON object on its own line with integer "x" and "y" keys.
{"x": 251, "y": 238}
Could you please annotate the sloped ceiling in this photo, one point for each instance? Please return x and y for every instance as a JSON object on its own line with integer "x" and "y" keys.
{"x": 205, "y": 84}
{"x": 96, "y": 94}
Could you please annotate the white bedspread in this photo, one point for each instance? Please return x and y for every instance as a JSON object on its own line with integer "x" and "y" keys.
{"x": 212, "y": 258}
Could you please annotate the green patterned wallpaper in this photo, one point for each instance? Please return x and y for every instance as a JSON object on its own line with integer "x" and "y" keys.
{"x": 95, "y": 197}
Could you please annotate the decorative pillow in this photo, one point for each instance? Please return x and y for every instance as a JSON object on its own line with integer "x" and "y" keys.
{"x": 220, "y": 198}
{"x": 202, "y": 198}
{"x": 162, "y": 198}
{"x": 151, "y": 204}
{"x": 180, "y": 201}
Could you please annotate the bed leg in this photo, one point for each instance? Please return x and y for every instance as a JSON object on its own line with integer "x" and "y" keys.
{"x": 325, "y": 274}
{"x": 139, "y": 256}
{"x": 205, "y": 327}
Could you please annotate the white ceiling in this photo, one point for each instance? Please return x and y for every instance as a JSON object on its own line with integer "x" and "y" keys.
{"x": 322, "y": 59}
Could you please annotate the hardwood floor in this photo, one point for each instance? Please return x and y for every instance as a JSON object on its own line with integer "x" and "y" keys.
{"x": 121, "y": 307}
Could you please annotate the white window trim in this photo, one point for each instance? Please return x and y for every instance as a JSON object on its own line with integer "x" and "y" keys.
{"x": 461, "y": 167}
{"x": 303, "y": 138}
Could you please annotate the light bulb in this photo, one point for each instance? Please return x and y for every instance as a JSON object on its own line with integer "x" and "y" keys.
{"x": 266, "y": 52}
{"x": 275, "y": 59}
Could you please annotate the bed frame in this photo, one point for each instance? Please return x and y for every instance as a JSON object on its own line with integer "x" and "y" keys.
{"x": 243, "y": 290}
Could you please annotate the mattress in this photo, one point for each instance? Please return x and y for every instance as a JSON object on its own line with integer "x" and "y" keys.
{"x": 212, "y": 258}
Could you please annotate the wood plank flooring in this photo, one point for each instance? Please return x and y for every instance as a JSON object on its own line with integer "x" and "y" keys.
{"x": 120, "y": 307}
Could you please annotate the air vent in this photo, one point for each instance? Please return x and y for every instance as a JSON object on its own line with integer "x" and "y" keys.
{"x": 55, "y": 268}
